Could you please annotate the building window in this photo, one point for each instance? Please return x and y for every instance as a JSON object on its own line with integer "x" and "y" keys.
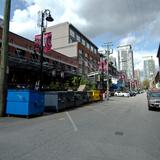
{"x": 78, "y": 38}
{"x": 20, "y": 53}
{"x": 88, "y": 45}
{"x": 45, "y": 60}
{"x": 72, "y": 33}
{"x": 80, "y": 56}
{"x": 95, "y": 50}
{"x": 35, "y": 57}
{"x": 83, "y": 42}
{"x": 86, "y": 70}
{"x": 80, "y": 61}
{"x": 86, "y": 64}
{"x": 80, "y": 70}
{"x": 80, "y": 51}
{"x": 73, "y": 70}
{"x": 71, "y": 40}
{"x": 92, "y": 49}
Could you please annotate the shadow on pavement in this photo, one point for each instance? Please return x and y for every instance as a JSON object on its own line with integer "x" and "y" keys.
{"x": 154, "y": 109}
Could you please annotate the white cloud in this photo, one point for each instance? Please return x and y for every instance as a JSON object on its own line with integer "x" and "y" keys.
{"x": 120, "y": 18}
{"x": 73, "y": 18}
{"x": 24, "y": 22}
{"x": 129, "y": 39}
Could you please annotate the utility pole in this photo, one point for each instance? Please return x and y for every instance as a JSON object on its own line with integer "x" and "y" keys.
{"x": 107, "y": 53}
{"x": 102, "y": 72}
{"x": 4, "y": 58}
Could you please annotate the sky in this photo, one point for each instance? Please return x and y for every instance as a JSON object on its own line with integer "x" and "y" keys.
{"x": 121, "y": 22}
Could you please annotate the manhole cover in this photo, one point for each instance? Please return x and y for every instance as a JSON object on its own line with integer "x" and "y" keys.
{"x": 119, "y": 133}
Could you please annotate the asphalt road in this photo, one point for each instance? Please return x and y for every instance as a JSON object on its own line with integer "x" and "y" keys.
{"x": 118, "y": 129}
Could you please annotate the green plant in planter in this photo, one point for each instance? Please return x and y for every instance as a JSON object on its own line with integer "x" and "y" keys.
{"x": 67, "y": 85}
{"x": 84, "y": 81}
{"x": 93, "y": 86}
{"x": 75, "y": 81}
{"x": 55, "y": 86}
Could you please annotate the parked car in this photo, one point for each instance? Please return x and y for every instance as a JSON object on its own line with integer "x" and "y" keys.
{"x": 126, "y": 94}
{"x": 122, "y": 94}
{"x": 118, "y": 93}
{"x": 153, "y": 97}
{"x": 132, "y": 93}
{"x": 112, "y": 93}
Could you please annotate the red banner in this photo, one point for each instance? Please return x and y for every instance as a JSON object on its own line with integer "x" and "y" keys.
{"x": 37, "y": 43}
{"x": 102, "y": 65}
{"x": 47, "y": 42}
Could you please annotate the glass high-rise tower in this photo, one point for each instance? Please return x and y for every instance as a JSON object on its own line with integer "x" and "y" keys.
{"x": 149, "y": 67}
{"x": 125, "y": 60}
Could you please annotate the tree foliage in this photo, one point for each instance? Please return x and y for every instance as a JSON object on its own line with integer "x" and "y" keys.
{"x": 75, "y": 82}
{"x": 72, "y": 83}
{"x": 146, "y": 84}
{"x": 55, "y": 85}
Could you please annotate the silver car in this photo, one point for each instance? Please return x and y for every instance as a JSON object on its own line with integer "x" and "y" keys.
{"x": 153, "y": 99}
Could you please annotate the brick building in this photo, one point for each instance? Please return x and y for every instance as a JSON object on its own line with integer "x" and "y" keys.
{"x": 24, "y": 62}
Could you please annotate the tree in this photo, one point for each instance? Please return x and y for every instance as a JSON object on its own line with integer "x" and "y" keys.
{"x": 146, "y": 84}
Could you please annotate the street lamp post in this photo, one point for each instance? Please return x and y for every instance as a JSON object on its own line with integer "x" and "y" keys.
{"x": 44, "y": 14}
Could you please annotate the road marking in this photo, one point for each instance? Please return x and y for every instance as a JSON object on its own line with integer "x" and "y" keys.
{"x": 71, "y": 120}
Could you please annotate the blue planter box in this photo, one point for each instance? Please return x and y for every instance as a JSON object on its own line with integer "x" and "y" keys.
{"x": 24, "y": 102}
